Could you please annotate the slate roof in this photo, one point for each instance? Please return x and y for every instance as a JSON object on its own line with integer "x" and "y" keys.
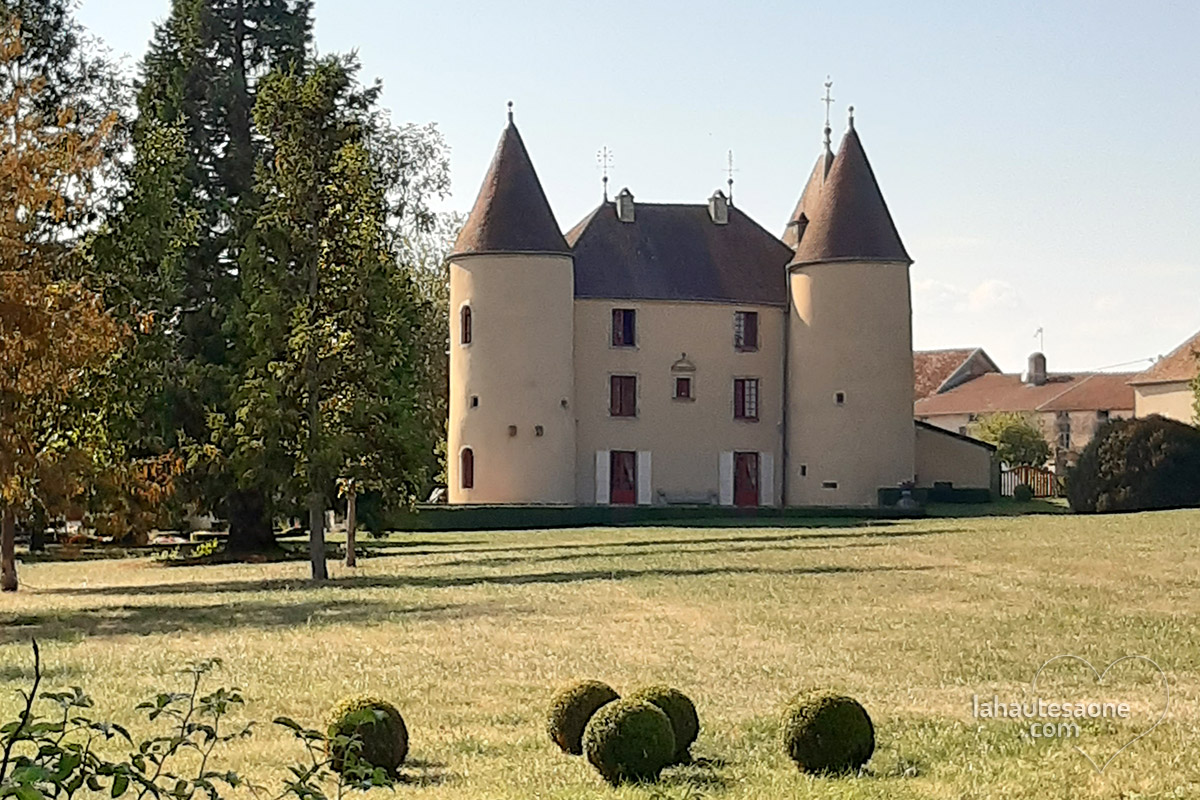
{"x": 1179, "y": 365}
{"x": 1088, "y": 391}
{"x": 511, "y": 213}
{"x": 849, "y": 220}
{"x": 676, "y": 252}
{"x": 808, "y": 198}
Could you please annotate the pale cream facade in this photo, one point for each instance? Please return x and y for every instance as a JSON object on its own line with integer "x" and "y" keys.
{"x": 512, "y": 394}
{"x": 795, "y": 353}
{"x": 1083, "y": 424}
{"x": 850, "y": 426}
{"x": 1174, "y": 400}
{"x": 685, "y": 446}
{"x": 944, "y": 456}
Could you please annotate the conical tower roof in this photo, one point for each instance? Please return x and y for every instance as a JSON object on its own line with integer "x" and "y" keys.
{"x": 511, "y": 213}
{"x": 808, "y": 200}
{"x": 849, "y": 220}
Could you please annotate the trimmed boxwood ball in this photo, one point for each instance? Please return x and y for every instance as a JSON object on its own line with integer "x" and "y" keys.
{"x": 680, "y": 709}
{"x": 377, "y": 724}
{"x": 571, "y": 708}
{"x": 827, "y": 733}
{"x": 629, "y": 740}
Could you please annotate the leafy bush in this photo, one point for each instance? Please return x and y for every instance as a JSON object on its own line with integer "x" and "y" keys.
{"x": 826, "y": 733}
{"x": 1137, "y": 464}
{"x": 681, "y": 711}
{"x": 1022, "y": 493}
{"x": 381, "y": 734}
{"x": 1018, "y": 438}
{"x": 571, "y": 708}
{"x": 629, "y": 740}
{"x": 64, "y": 751}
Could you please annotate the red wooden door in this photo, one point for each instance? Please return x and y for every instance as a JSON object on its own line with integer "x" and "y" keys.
{"x": 745, "y": 479}
{"x": 622, "y": 477}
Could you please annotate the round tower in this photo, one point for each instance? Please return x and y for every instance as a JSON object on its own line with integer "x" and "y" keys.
{"x": 850, "y": 370}
{"x": 511, "y": 434}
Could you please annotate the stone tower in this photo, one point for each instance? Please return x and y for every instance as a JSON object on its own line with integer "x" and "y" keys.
{"x": 511, "y": 436}
{"x": 849, "y": 427}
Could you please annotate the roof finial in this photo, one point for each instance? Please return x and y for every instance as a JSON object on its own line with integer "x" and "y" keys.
{"x": 730, "y": 170}
{"x": 851, "y": 109}
{"x": 510, "y": 119}
{"x": 828, "y": 101}
{"x": 604, "y": 158}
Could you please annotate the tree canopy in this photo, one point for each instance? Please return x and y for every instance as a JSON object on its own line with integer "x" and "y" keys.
{"x": 1018, "y": 438}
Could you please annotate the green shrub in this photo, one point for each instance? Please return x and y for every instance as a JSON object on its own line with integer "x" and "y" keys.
{"x": 680, "y": 709}
{"x": 827, "y": 733}
{"x": 1135, "y": 465}
{"x": 378, "y": 732}
{"x": 1022, "y": 493}
{"x": 629, "y": 740}
{"x": 571, "y": 708}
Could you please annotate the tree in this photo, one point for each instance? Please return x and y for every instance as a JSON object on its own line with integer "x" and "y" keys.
{"x": 332, "y": 386}
{"x": 52, "y": 330}
{"x": 1135, "y": 465}
{"x": 1018, "y": 439}
{"x": 201, "y": 77}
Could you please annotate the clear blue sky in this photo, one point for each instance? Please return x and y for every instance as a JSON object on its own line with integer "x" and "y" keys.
{"x": 1040, "y": 158}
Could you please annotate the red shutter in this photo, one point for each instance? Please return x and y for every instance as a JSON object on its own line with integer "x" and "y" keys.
{"x": 751, "y": 333}
{"x": 618, "y": 327}
{"x": 739, "y": 399}
{"x": 629, "y": 397}
{"x": 614, "y": 400}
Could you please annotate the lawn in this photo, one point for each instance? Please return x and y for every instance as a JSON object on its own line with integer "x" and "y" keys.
{"x": 469, "y": 634}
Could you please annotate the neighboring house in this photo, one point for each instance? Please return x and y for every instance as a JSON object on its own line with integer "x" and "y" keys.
{"x": 680, "y": 353}
{"x": 1165, "y": 388}
{"x": 1068, "y": 407}
{"x": 940, "y": 370}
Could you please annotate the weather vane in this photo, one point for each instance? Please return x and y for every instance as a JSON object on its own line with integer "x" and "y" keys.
{"x": 604, "y": 159}
{"x": 730, "y": 170}
{"x": 828, "y": 98}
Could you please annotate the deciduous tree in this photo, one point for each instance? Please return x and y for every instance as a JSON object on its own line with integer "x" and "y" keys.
{"x": 1018, "y": 438}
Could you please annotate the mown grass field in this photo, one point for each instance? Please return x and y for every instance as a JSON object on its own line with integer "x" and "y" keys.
{"x": 470, "y": 634}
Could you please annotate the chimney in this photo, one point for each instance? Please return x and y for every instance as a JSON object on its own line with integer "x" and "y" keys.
{"x": 625, "y": 205}
{"x": 718, "y": 208}
{"x": 1036, "y": 374}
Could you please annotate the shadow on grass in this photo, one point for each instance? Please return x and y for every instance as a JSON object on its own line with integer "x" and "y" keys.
{"x": 421, "y": 773}
{"x": 378, "y": 547}
{"x": 456, "y": 581}
{"x": 780, "y": 544}
{"x": 142, "y": 620}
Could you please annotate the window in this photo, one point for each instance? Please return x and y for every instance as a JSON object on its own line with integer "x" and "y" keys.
{"x": 829, "y": 485}
{"x": 804, "y": 470}
{"x": 745, "y": 330}
{"x": 745, "y": 398}
{"x": 465, "y": 327}
{"x": 622, "y": 396}
{"x": 467, "y": 468}
{"x": 474, "y": 401}
{"x": 1064, "y": 430}
{"x": 538, "y": 430}
{"x": 624, "y": 327}
{"x": 683, "y": 388}
{"x": 1102, "y": 417}
{"x": 840, "y": 398}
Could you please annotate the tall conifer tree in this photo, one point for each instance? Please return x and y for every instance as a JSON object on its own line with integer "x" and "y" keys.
{"x": 201, "y": 77}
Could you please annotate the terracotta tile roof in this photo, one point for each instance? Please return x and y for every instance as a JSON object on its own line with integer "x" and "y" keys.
{"x": 676, "y": 252}
{"x": 1006, "y": 392}
{"x": 511, "y": 213}
{"x": 931, "y": 368}
{"x": 1178, "y": 365}
{"x": 849, "y": 220}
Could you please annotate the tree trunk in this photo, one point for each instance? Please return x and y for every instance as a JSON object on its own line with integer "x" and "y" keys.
{"x": 8, "y": 551}
{"x": 351, "y": 525}
{"x": 250, "y": 527}
{"x": 316, "y": 536}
